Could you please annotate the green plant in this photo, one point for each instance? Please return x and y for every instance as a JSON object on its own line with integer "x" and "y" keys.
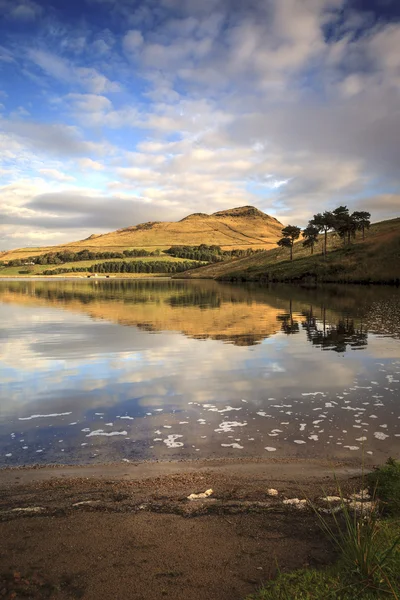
{"x": 385, "y": 482}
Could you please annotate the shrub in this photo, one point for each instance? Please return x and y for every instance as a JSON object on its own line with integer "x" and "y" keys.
{"x": 384, "y": 482}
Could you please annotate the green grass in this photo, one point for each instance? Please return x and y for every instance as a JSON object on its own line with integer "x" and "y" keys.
{"x": 368, "y": 550}
{"x": 373, "y": 260}
{"x": 385, "y": 483}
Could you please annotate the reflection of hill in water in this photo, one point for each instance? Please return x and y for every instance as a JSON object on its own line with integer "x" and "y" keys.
{"x": 333, "y": 318}
{"x": 198, "y": 311}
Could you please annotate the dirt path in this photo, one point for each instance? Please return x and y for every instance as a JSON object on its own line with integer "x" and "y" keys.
{"x": 125, "y": 531}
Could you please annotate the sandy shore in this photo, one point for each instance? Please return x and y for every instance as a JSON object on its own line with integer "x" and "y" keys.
{"x": 129, "y": 531}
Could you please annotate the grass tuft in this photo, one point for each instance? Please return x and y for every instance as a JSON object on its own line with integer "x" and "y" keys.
{"x": 368, "y": 547}
{"x": 385, "y": 483}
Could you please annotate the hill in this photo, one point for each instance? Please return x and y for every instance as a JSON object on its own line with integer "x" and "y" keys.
{"x": 243, "y": 227}
{"x": 373, "y": 260}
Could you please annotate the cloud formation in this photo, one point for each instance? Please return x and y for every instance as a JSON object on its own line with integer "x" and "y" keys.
{"x": 140, "y": 112}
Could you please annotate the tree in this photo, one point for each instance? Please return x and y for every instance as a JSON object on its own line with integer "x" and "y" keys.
{"x": 344, "y": 224}
{"x": 310, "y": 235}
{"x": 362, "y": 220}
{"x": 324, "y": 222}
{"x": 290, "y": 233}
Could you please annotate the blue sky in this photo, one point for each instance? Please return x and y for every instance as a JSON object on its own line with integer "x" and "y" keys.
{"x": 115, "y": 112}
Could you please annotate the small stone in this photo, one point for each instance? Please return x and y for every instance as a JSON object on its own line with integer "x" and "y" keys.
{"x": 30, "y": 509}
{"x": 201, "y": 495}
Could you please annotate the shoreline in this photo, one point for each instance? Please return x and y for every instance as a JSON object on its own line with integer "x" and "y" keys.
{"x": 283, "y": 469}
{"x": 130, "y": 530}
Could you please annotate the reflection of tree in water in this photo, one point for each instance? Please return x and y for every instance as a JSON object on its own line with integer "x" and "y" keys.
{"x": 289, "y": 325}
{"x": 337, "y": 337}
{"x": 197, "y": 297}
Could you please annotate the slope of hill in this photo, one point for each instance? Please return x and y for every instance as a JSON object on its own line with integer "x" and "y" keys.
{"x": 244, "y": 227}
{"x": 373, "y": 260}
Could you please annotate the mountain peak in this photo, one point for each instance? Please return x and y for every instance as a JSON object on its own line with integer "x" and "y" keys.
{"x": 240, "y": 211}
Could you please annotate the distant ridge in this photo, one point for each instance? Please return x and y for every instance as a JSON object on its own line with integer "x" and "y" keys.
{"x": 244, "y": 227}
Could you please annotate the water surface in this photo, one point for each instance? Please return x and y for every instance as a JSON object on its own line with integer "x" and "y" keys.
{"x": 110, "y": 370}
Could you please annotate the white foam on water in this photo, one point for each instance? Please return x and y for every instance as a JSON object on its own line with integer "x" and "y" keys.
{"x": 183, "y": 422}
{"x": 352, "y": 447}
{"x": 379, "y": 435}
{"x": 299, "y": 441}
{"x": 270, "y": 449}
{"x": 361, "y": 439}
{"x": 127, "y": 418}
{"x": 45, "y": 416}
{"x": 101, "y": 432}
{"x": 313, "y": 437}
{"x": 229, "y": 409}
{"x": 226, "y": 426}
{"x": 303, "y": 426}
{"x": 237, "y": 446}
{"x": 171, "y": 442}
{"x": 313, "y": 394}
{"x": 263, "y": 414}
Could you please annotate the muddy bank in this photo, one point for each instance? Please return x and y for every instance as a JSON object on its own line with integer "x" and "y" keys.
{"x": 128, "y": 530}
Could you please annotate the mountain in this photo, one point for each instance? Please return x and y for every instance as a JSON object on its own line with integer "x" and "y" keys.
{"x": 373, "y": 260}
{"x": 243, "y": 227}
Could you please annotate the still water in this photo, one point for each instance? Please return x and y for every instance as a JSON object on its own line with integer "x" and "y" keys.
{"x": 111, "y": 370}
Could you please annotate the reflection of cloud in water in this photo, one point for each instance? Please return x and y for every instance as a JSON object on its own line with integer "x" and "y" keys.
{"x": 67, "y": 361}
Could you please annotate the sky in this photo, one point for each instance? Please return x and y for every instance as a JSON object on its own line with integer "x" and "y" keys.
{"x": 117, "y": 112}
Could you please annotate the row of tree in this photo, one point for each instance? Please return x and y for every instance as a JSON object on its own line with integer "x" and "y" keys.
{"x": 66, "y": 256}
{"x": 137, "y": 266}
{"x": 203, "y": 252}
{"x": 339, "y": 221}
{"x": 210, "y": 254}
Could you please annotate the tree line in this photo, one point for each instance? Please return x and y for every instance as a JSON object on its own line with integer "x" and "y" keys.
{"x": 203, "y": 252}
{"x": 339, "y": 221}
{"x": 66, "y": 256}
{"x": 210, "y": 254}
{"x": 138, "y": 266}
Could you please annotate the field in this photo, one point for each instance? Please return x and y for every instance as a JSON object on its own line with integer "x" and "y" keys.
{"x": 375, "y": 259}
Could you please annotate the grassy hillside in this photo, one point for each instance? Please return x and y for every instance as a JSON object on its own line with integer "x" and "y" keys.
{"x": 244, "y": 227}
{"x": 375, "y": 259}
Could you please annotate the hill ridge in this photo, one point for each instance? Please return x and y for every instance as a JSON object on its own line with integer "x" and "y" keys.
{"x": 243, "y": 227}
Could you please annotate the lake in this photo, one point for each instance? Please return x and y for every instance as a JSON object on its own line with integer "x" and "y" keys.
{"x": 127, "y": 370}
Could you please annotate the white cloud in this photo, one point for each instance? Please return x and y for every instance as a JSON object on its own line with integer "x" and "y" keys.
{"x": 88, "y": 163}
{"x": 55, "y": 174}
{"x": 216, "y": 104}
{"x": 86, "y": 77}
{"x": 132, "y": 41}
{"x": 21, "y": 10}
